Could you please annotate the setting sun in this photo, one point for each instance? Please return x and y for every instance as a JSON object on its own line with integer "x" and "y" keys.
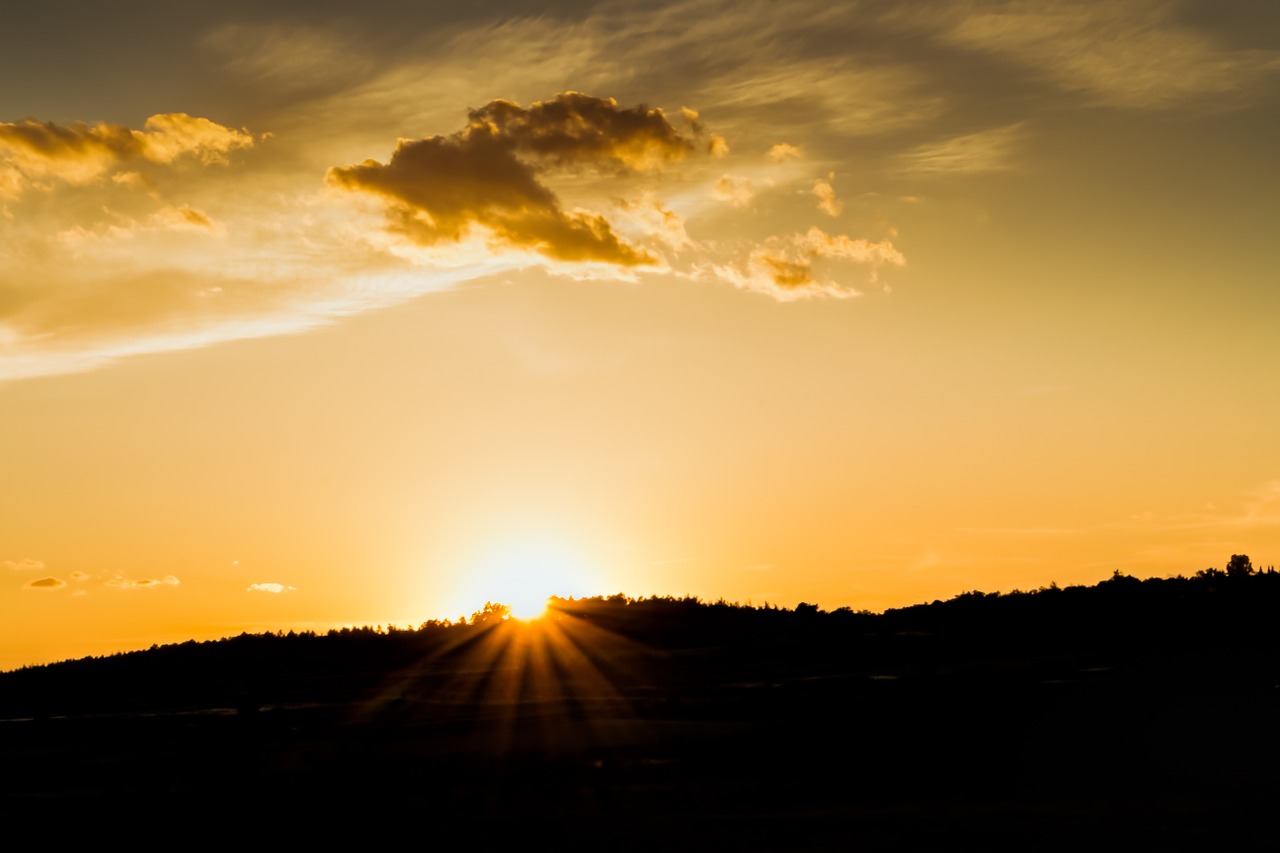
{"x": 523, "y": 577}
{"x": 530, "y": 608}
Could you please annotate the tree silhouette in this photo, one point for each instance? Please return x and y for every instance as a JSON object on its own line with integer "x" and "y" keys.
{"x": 492, "y": 613}
{"x": 1239, "y": 566}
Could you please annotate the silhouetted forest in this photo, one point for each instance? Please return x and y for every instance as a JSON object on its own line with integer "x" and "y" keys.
{"x": 1142, "y": 708}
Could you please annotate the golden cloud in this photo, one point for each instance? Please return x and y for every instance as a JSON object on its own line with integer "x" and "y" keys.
{"x": 271, "y": 587}
{"x": 121, "y": 582}
{"x": 79, "y": 153}
{"x": 490, "y": 175}
{"x": 785, "y": 267}
{"x": 169, "y": 136}
{"x": 736, "y": 191}
{"x": 183, "y": 217}
{"x": 827, "y": 201}
{"x": 783, "y": 152}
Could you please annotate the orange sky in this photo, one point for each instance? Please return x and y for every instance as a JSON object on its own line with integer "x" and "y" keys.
{"x": 313, "y": 317}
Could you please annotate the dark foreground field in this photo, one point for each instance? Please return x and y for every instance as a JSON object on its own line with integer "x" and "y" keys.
{"x": 1129, "y": 712}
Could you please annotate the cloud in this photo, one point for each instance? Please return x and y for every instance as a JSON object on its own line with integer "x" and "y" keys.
{"x": 159, "y": 256}
{"x": 973, "y": 153}
{"x": 274, "y": 588}
{"x": 736, "y": 191}
{"x": 782, "y": 152}
{"x": 490, "y": 176}
{"x": 826, "y": 194}
{"x": 182, "y": 218}
{"x": 1132, "y": 55}
{"x": 78, "y": 153}
{"x": 786, "y": 267}
{"x": 169, "y": 136}
{"x": 80, "y": 577}
{"x": 149, "y": 250}
{"x": 291, "y": 59}
{"x": 649, "y": 219}
{"x": 47, "y": 583}
{"x": 121, "y": 582}
{"x": 1258, "y": 509}
{"x": 24, "y": 565}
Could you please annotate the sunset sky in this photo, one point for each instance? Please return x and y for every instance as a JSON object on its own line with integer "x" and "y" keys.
{"x": 319, "y": 315}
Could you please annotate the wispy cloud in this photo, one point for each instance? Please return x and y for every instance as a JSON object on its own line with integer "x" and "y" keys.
{"x": 973, "y": 153}
{"x": 121, "y": 582}
{"x": 24, "y": 565}
{"x": 293, "y": 60}
{"x": 1256, "y": 509}
{"x": 737, "y": 191}
{"x": 827, "y": 201}
{"x": 1124, "y": 54}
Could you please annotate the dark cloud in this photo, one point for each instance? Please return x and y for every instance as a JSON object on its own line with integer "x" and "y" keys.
{"x": 490, "y": 174}
{"x": 574, "y": 129}
{"x": 47, "y": 583}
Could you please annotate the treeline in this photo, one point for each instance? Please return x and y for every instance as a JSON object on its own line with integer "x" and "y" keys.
{"x": 1218, "y": 620}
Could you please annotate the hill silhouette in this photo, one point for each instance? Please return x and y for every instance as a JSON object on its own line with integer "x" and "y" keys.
{"x": 1136, "y": 708}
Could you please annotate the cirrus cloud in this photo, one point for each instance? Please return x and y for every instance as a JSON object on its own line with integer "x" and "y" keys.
{"x": 1134, "y": 55}
{"x": 990, "y": 150}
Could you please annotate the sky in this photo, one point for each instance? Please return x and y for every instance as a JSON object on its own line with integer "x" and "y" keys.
{"x": 314, "y": 315}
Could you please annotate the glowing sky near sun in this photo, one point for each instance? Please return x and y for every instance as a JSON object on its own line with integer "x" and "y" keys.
{"x": 312, "y": 315}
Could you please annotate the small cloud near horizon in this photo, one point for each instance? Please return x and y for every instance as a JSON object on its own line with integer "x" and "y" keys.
{"x": 47, "y": 583}
{"x": 121, "y": 582}
{"x": 273, "y": 588}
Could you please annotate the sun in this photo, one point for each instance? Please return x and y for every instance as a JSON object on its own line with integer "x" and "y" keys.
{"x": 524, "y": 577}
{"x": 527, "y": 609}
